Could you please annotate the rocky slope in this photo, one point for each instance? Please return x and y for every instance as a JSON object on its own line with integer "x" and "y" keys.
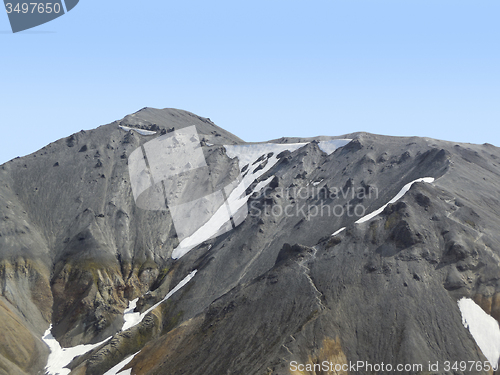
{"x": 75, "y": 249}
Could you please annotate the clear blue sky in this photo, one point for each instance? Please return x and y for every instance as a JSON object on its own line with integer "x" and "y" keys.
{"x": 260, "y": 69}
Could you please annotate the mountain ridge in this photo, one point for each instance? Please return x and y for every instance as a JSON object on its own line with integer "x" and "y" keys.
{"x": 75, "y": 250}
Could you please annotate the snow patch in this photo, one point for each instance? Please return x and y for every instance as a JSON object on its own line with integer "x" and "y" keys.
{"x": 59, "y": 357}
{"x": 130, "y": 317}
{"x": 140, "y": 131}
{"x": 337, "y": 232}
{"x": 483, "y": 327}
{"x": 329, "y": 147}
{"x": 247, "y": 154}
{"x": 116, "y": 369}
{"x": 398, "y": 196}
{"x": 316, "y": 183}
{"x": 133, "y": 318}
{"x": 395, "y": 199}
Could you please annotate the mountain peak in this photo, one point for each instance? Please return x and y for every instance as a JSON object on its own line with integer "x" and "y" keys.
{"x": 172, "y": 118}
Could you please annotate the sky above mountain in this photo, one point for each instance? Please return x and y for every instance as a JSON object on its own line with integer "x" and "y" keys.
{"x": 260, "y": 69}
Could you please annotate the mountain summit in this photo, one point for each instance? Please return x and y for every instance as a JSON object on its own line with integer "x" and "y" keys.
{"x": 163, "y": 244}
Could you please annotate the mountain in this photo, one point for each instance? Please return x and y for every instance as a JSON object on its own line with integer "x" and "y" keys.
{"x": 332, "y": 250}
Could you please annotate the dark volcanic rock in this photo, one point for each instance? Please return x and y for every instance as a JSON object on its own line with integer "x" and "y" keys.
{"x": 75, "y": 249}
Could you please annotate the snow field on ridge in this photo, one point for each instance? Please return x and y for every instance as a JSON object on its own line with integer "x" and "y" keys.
{"x": 247, "y": 155}
{"x": 140, "y": 131}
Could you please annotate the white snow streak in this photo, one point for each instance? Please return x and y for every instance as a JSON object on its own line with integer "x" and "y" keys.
{"x": 337, "y": 232}
{"x": 393, "y": 200}
{"x": 116, "y": 369}
{"x": 140, "y": 131}
{"x": 134, "y": 318}
{"x": 483, "y": 327}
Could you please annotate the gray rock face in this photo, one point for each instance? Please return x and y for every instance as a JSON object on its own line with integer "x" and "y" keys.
{"x": 279, "y": 288}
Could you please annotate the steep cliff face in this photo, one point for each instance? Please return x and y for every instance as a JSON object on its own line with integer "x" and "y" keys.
{"x": 77, "y": 252}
